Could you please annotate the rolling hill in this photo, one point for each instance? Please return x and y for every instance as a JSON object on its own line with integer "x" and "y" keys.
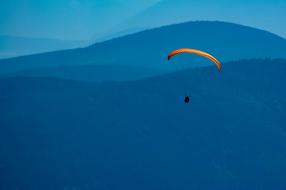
{"x": 94, "y": 73}
{"x": 149, "y": 49}
{"x": 11, "y": 46}
{"x": 60, "y": 134}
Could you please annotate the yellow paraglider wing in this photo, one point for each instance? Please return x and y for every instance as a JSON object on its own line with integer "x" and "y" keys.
{"x": 198, "y": 52}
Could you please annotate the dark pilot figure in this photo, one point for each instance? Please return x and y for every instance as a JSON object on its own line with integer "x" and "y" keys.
{"x": 187, "y": 99}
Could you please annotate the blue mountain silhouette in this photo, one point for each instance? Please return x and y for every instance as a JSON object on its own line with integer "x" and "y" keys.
{"x": 149, "y": 49}
{"x": 253, "y": 13}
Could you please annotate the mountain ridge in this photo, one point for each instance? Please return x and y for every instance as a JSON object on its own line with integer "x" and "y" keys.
{"x": 226, "y": 41}
{"x": 174, "y": 11}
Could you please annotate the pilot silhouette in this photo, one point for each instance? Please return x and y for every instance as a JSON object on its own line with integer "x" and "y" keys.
{"x": 187, "y": 99}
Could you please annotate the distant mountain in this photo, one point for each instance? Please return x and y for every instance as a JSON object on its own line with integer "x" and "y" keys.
{"x": 252, "y": 13}
{"x": 59, "y": 134}
{"x": 111, "y": 35}
{"x": 11, "y": 46}
{"x": 150, "y": 48}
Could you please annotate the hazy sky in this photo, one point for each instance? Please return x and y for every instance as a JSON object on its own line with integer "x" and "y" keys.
{"x": 65, "y": 19}
{"x": 86, "y": 19}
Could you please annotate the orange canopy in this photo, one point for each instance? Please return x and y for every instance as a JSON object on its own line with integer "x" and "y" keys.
{"x": 198, "y": 52}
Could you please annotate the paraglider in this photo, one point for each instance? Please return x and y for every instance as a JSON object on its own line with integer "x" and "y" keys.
{"x": 198, "y": 52}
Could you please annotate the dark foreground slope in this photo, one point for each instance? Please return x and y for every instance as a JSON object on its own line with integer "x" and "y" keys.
{"x": 149, "y": 49}
{"x": 58, "y": 134}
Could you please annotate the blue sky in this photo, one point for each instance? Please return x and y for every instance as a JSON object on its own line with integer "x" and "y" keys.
{"x": 65, "y": 19}
{"x": 86, "y": 19}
